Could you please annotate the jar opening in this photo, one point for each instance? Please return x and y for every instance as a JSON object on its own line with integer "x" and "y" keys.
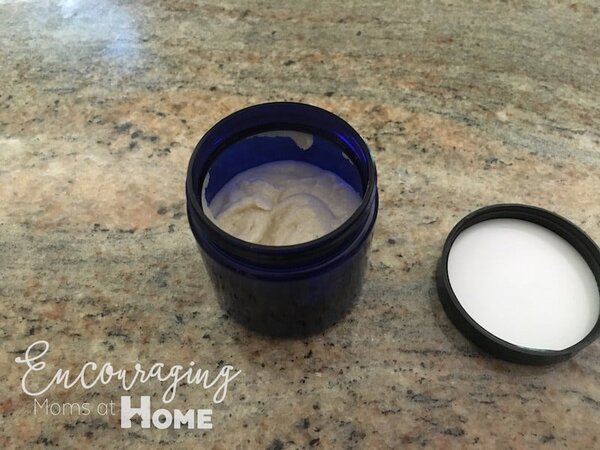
{"x": 271, "y": 132}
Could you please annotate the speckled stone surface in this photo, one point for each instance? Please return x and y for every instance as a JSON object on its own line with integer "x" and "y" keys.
{"x": 463, "y": 103}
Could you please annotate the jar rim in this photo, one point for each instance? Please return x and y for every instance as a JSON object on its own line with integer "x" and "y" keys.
{"x": 330, "y": 239}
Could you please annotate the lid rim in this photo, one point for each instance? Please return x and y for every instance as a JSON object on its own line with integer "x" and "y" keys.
{"x": 475, "y": 332}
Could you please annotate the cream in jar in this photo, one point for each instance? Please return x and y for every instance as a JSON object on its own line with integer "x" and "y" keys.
{"x": 283, "y": 203}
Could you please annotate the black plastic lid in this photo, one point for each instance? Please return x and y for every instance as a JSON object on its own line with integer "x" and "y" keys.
{"x": 471, "y": 329}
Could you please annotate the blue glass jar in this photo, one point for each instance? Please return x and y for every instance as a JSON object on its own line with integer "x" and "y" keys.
{"x": 290, "y": 290}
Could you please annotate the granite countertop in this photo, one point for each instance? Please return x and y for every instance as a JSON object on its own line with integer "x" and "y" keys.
{"x": 464, "y": 104}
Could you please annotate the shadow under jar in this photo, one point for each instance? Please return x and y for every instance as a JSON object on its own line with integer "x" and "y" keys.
{"x": 290, "y": 290}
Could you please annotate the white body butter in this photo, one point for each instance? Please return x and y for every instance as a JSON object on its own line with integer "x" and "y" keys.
{"x": 283, "y": 203}
{"x": 524, "y": 284}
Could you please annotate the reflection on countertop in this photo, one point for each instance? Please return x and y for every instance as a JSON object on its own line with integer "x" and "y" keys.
{"x": 101, "y": 105}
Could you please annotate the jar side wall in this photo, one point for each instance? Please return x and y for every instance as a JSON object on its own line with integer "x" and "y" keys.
{"x": 298, "y": 307}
